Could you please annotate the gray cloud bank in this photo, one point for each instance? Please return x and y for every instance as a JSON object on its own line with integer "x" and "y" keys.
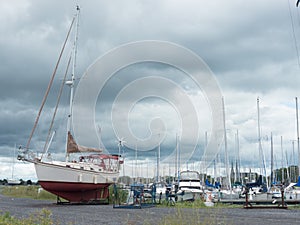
{"x": 249, "y": 46}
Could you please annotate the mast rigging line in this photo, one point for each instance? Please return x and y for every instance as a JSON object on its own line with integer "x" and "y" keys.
{"x": 56, "y": 106}
{"x": 50, "y": 84}
{"x": 294, "y": 35}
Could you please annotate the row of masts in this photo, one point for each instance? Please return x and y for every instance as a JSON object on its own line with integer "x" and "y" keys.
{"x": 262, "y": 169}
{"x": 143, "y": 169}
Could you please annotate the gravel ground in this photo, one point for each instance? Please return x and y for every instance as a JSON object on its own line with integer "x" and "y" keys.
{"x": 106, "y": 214}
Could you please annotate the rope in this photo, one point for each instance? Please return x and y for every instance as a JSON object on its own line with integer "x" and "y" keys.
{"x": 294, "y": 35}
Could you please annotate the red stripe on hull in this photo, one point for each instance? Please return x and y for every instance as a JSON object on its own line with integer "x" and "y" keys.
{"x": 78, "y": 192}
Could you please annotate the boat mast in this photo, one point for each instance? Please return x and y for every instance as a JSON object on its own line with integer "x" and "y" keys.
{"x": 176, "y": 159}
{"x": 272, "y": 161}
{"x": 158, "y": 161}
{"x": 71, "y": 82}
{"x": 136, "y": 164}
{"x": 204, "y": 167}
{"x": 261, "y": 154}
{"x": 259, "y": 136}
{"x": 293, "y": 178}
{"x": 238, "y": 171}
{"x": 298, "y": 144}
{"x": 179, "y": 159}
{"x": 225, "y": 143}
{"x": 215, "y": 171}
{"x": 287, "y": 165}
{"x": 282, "y": 161}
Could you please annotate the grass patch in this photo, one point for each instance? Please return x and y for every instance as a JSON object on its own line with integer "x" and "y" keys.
{"x": 42, "y": 217}
{"x": 294, "y": 207}
{"x": 194, "y": 216}
{"x": 32, "y": 191}
{"x": 196, "y": 213}
{"x": 117, "y": 194}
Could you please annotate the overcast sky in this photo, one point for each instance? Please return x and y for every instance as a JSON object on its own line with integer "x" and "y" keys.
{"x": 250, "y": 47}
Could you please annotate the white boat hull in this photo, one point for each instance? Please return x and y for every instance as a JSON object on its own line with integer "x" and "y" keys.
{"x": 73, "y": 182}
{"x": 67, "y": 172}
{"x": 13, "y": 182}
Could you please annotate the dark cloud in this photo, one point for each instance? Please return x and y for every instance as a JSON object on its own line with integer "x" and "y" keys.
{"x": 249, "y": 46}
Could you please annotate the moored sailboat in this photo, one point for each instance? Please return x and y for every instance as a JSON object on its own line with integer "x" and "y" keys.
{"x": 189, "y": 185}
{"x": 84, "y": 180}
{"x": 13, "y": 180}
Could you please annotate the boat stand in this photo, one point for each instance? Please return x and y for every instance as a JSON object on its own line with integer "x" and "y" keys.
{"x": 135, "y": 198}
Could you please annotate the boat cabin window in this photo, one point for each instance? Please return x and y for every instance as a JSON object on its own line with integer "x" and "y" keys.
{"x": 189, "y": 175}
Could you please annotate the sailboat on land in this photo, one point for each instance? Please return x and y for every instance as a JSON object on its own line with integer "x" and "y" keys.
{"x": 85, "y": 180}
{"x": 13, "y": 180}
